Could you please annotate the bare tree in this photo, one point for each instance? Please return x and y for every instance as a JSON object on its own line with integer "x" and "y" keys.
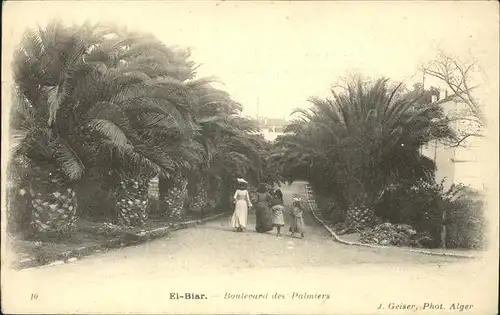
{"x": 457, "y": 76}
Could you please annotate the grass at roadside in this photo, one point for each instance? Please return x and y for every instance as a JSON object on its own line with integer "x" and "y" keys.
{"x": 88, "y": 237}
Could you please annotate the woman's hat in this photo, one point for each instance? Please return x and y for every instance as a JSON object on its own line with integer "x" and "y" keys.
{"x": 241, "y": 181}
{"x": 296, "y": 199}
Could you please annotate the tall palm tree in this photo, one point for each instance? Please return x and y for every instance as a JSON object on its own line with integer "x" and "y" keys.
{"x": 362, "y": 140}
{"x": 227, "y": 137}
{"x": 173, "y": 189}
{"x": 87, "y": 101}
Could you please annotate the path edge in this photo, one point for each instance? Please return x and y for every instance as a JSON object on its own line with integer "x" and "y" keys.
{"x": 115, "y": 243}
{"x": 311, "y": 202}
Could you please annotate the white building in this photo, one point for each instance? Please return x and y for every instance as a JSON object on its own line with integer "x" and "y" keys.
{"x": 272, "y": 127}
{"x": 463, "y": 164}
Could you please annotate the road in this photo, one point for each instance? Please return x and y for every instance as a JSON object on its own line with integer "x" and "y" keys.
{"x": 212, "y": 259}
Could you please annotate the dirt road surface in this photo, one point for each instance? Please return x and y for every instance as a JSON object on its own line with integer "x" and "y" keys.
{"x": 213, "y": 260}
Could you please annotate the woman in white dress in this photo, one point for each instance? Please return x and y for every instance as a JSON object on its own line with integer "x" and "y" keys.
{"x": 242, "y": 200}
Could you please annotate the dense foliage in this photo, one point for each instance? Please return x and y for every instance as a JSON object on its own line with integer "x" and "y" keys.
{"x": 430, "y": 206}
{"x": 360, "y": 141}
{"x": 360, "y": 150}
{"x": 99, "y": 111}
{"x": 100, "y": 106}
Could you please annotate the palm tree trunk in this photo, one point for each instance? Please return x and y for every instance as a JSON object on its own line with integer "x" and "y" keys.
{"x": 132, "y": 201}
{"x": 154, "y": 197}
{"x": 173, "y": 194}
{"x": 360, "y": 212}
{"x": 53, "y": 205}
{"x": 199, "y": 200}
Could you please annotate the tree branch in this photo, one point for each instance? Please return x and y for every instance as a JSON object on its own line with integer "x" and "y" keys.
{"x": 455, "y": 75}
{"x": 461, "y": 140}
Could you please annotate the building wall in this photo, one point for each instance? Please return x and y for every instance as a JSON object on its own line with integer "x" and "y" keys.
{"x": 463, "y": 164}
{"x": 269, "y": 135}
{"x": 469, "y": 163}
{"x": 271, "y": 127}
{"x": 443, "y": 157}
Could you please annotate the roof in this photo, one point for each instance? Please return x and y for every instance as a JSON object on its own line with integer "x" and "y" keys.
{"x": 277, "y": 122}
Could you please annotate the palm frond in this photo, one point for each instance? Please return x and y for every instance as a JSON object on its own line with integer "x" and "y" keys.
{"x": 71, "y": 164}
{"x": 111, "y": 131}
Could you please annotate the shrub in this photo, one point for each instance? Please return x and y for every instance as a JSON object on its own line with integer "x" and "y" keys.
{"x": 465, "y": 223}
{"x": 417, "y": 205}
{"x": 422, "y": 204}
{"x": 330, "y": 203}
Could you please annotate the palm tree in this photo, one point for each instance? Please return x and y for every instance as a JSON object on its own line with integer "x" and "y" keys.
{"x": 87, "y": 101}
{"x": 212, "y": 107}
{"x": 173, "y": 189}
{"x": 113, "y": 107}
{"x": 360, "y": 141}
{"x": 227, "y": 138}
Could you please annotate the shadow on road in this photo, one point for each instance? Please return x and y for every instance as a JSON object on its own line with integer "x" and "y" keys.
{"x": 217, "y": 228}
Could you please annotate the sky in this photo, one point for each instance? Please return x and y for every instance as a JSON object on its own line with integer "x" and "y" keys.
{"x": 273, "y": 56}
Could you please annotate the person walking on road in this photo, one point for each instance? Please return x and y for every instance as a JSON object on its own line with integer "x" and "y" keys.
{"x": 263, "y": 222}
{"x": 297, "y": 224}
{"x": 279, "y": 194}
{"x": 242, "y": 204}
{"x": 277, "y": 210}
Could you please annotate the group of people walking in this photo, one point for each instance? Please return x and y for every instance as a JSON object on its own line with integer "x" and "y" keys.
{"x": 269, "y": 210}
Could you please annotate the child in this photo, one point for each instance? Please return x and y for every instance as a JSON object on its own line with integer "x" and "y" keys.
{"x": 279, "y": 194}
{"x": 297, "y": 224}
{"x": 277, "y": 210}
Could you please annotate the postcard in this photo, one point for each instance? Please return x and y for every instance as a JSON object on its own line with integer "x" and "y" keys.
{"x": 250, "y": 157}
